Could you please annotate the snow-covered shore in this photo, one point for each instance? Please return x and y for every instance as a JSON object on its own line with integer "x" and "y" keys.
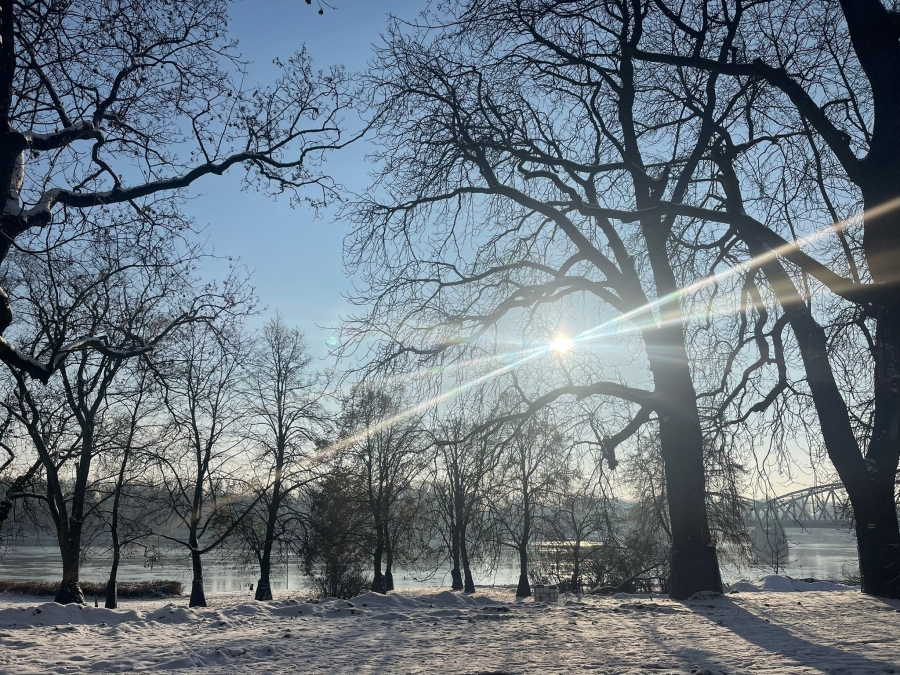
{"x": 769, "y": 625}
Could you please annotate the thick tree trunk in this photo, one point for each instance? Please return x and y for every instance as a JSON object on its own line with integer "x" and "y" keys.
{"x": 524, "y": 588}
{"x": 69, "y": 529}
{"x": 70, "y": 589}
{"x": 468, "y": 580}
{"x": 198, "y": 595}
{"x": 68, "y": 532}
{"x": 874, "y": 38}
{"x": 873, "y": 499}
{"x": 378, "y": 579}
{"x": 693, "y": 561}
{"x": 694, "y": 564}
{"x": 263, "y": 587}
{"x": 878, "y": 538}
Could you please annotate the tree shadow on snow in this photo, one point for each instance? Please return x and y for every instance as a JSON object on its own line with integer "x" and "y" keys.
{"x": 787, "y": 646}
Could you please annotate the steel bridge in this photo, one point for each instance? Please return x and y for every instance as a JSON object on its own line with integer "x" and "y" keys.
{"x": 819, "y": 506}
{"x": 822, "y": 506}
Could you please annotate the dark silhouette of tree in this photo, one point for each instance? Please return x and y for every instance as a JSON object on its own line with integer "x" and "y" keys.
{"x": 837, "y": 130}
{"x": 384, "y": 449}
{"x": 205, "y": 487}
{"x": 464, "y": 466}
{"x": 132, "y": 435}
{"x": 288, "y": 422}
{"x": 529, "y": 468}
{"x": 576, "y": 515}
{"x": 134, "y": 297}
{"x": 333, "y": 546}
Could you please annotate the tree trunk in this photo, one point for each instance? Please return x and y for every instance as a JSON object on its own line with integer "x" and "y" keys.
{"x": 388, "y": 566}
{"x": 874, "y": 38}
{"x": 873, "y": 498}
{"x": 378, "y": 580}
{"x": 70, "y": 589}
{"x": 263, "y": 587}
{"x": 112, "y": 595}
{"x": 693, "y": 561}
{"x": 469, "y": 584}
{"x": 457, "y": 583}
{"x": 524, "y": 588}
{"x": 69, "y": 528}
{"x": 878, "y": 538}
{"x": 198, "y": 596}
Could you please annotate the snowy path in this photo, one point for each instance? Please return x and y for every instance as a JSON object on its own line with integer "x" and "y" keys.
{"x": 747, "y": 632}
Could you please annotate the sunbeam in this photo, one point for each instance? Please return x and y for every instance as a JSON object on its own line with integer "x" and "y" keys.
{"x": 562, "y": 343}
{"x": 600, "y": 330}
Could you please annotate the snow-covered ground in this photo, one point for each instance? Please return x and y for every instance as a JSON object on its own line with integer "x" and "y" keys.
{"x": 772, "y": 625}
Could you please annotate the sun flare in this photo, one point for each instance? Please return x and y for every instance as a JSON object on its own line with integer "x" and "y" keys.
{"x": 561, "y": 344}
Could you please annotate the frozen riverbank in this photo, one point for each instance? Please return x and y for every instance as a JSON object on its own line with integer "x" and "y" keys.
{"x": 777, "y": 630}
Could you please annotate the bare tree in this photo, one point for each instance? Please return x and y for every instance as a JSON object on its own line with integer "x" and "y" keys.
{"x": 133, "y": 434}
{"x": 529, "y": 472}
{"x": 576, "y": 517}
{"x": 206, "y": 489}
{"x": 132, "y": 290}
{"x": 287, "y": 422}
{"x": 383, "y": 447}
{"x": 837, "y": 131}
{"x": 127, "y": 103}
{"x": 464, "y": 465}
{"x": 518, "y": 134}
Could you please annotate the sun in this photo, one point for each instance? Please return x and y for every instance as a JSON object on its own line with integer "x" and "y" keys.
{"x": 561, "y": 344}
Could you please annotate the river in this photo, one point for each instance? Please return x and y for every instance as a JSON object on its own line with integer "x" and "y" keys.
{"x": 818, "y": 553}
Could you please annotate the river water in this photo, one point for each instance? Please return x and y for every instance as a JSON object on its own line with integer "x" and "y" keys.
{"x": 819, "y": 553}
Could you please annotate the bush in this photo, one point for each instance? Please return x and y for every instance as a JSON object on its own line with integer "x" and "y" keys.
{"x": 333, "y": 553}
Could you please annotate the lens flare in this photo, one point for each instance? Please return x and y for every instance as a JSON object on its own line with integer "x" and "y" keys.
{"x": 561, "y": 344}
{"x": 644, "y": 313}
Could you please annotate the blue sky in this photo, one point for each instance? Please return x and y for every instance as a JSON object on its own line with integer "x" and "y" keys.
{"x": 295, "y": 257}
